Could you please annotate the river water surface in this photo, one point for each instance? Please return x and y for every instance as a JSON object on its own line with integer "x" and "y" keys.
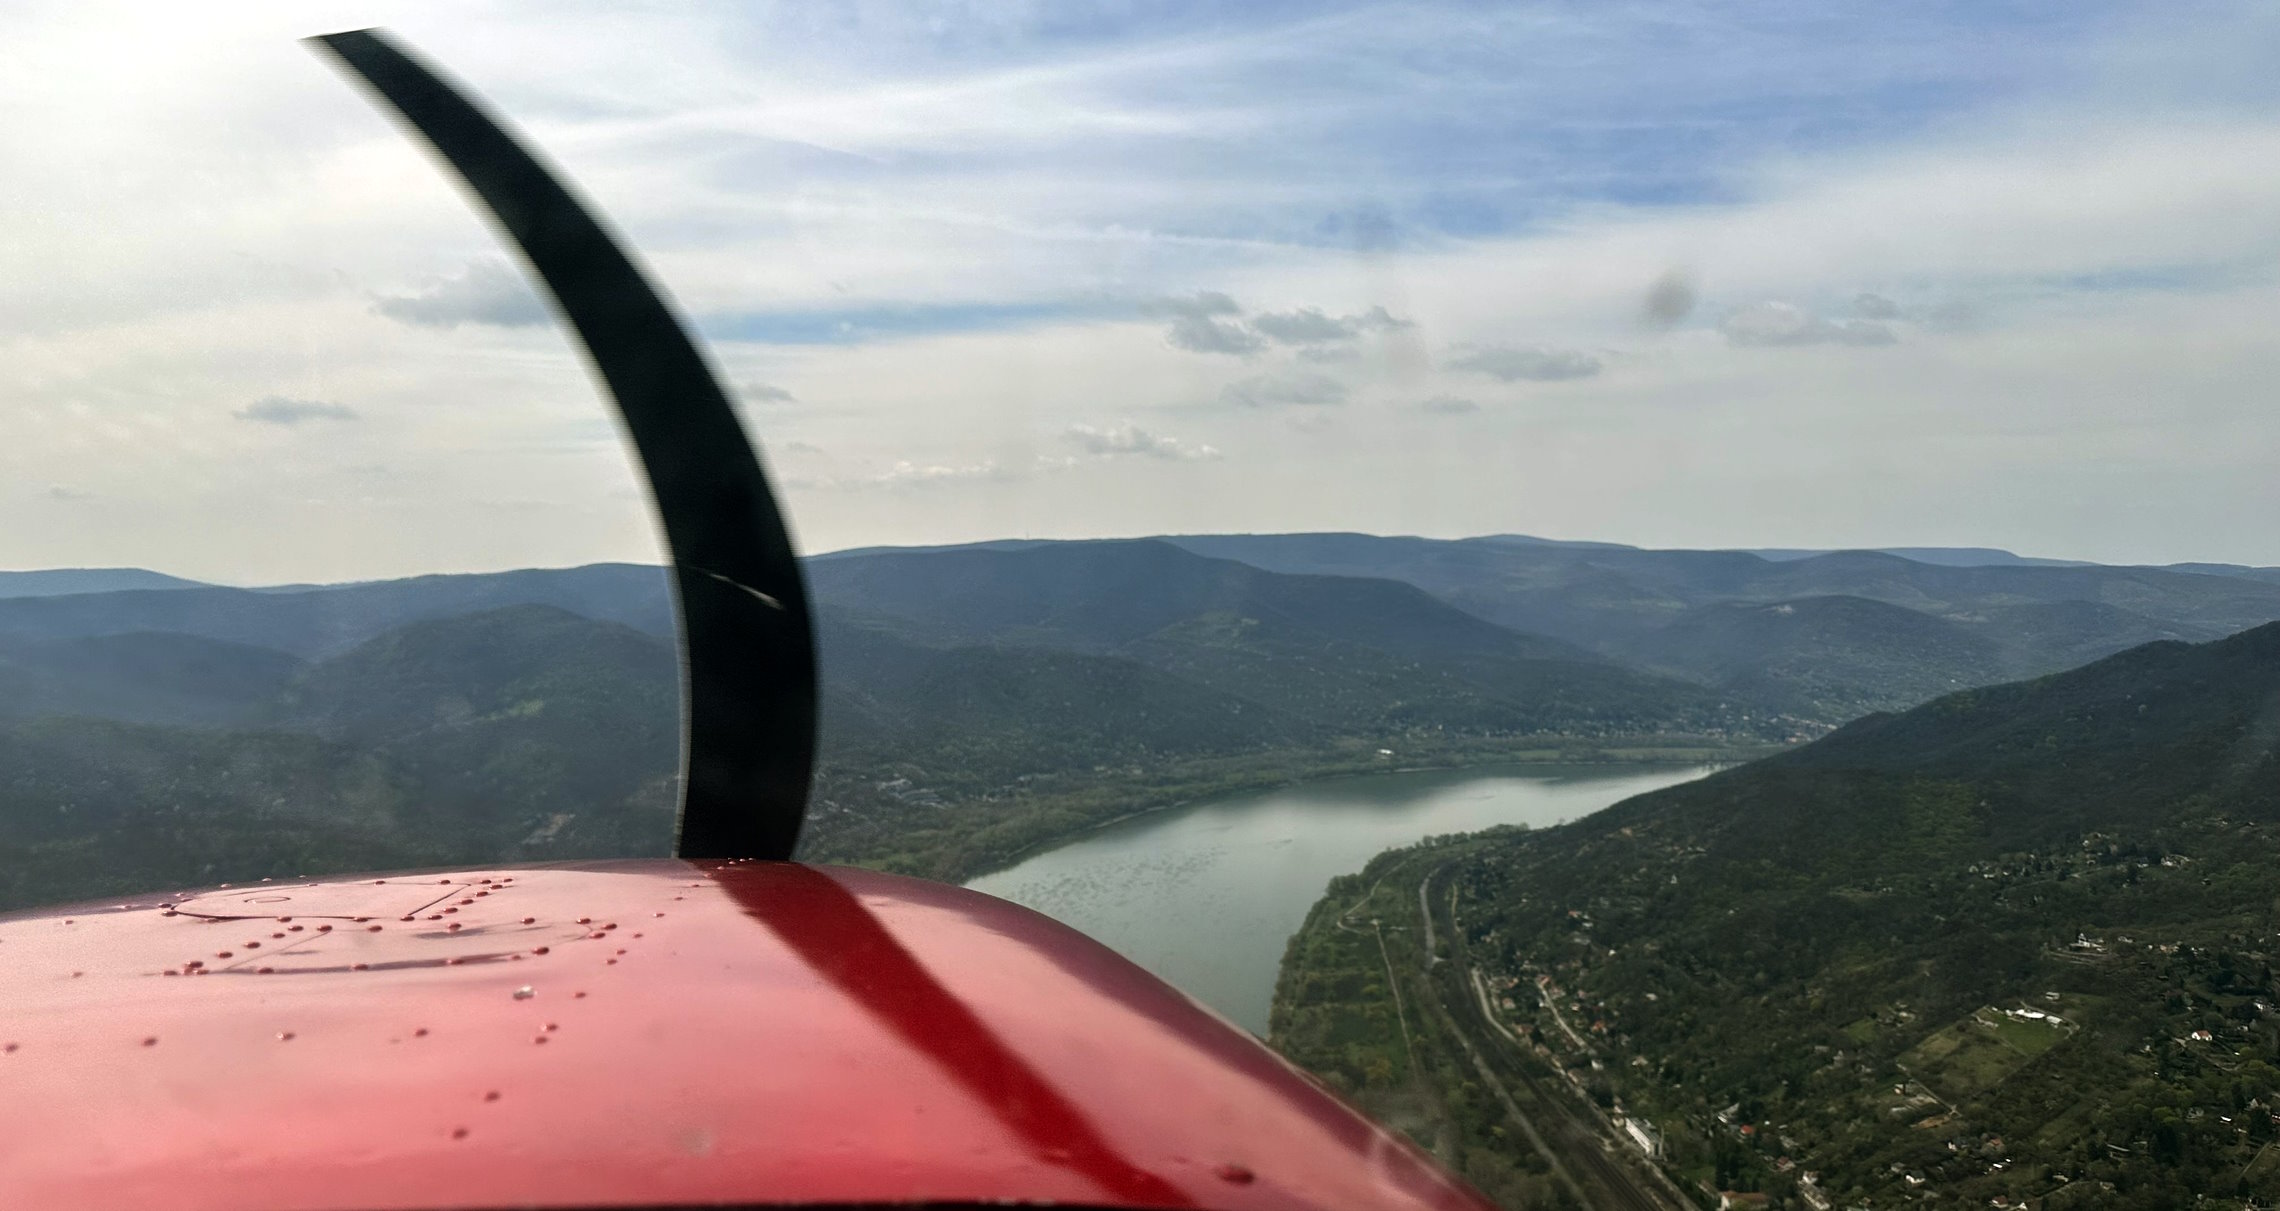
{"x": 1207, "y": 895}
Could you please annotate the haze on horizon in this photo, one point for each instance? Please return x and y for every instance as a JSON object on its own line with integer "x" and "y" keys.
{"x": 1680, "y": 275}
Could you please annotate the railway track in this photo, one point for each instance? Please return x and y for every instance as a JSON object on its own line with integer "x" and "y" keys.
{"x": 1579, "y": 1150}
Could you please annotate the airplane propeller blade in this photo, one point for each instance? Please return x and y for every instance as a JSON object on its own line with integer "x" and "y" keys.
{"x": 747, "y": 643}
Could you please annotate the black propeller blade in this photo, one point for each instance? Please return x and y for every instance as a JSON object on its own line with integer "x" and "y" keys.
{"x": 747, "y": 644}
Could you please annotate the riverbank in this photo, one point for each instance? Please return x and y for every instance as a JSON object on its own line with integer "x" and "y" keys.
{"x": 1377, "y": 996}
{"x": 1208, "y": 896}
{"x": 959, "y": 836}
{"x": 1644, "y": 756}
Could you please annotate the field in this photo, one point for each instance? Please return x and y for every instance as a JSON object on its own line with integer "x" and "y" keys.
{"x": 1973, "y": 1055}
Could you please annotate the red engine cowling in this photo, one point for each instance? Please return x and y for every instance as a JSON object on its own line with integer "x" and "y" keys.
{"x": 640, "y": 1033}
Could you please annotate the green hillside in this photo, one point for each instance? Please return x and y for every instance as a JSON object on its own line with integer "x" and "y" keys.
{"x": 1590, "y": 592}
{"x": 141, "y": 677}
{"x": 54, "y": 582}
{"x": 1353, "y": 654}
{"x": 323, "y": 620}
{"x": 530, "y": 732}
{"x": 1823, "y": 657}
{"x": 1529, "y": 627}
{"x": 2015, "y": 943}
{"x": 1969, "y": 615}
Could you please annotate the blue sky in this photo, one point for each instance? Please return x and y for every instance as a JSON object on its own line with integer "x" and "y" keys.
{"x": 1968, "y": 273}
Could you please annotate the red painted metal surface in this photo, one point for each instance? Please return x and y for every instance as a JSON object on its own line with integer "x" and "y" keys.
{"x": 648, "y": 1033}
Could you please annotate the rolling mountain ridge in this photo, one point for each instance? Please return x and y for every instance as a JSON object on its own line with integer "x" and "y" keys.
{"x": 1647, "y": 611}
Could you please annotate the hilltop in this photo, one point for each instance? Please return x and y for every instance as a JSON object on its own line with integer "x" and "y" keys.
{"x": 53, "y": 582}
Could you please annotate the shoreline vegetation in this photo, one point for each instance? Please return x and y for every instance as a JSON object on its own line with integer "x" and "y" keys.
{"x": 956, "y": 835}
{"x": 1378, "y": 1003}
{"x": 1644, "y": 755}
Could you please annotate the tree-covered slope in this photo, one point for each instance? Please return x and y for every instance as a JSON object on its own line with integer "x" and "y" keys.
{"x": 1838, "y": 948}
{"x": 141, "y": 677}
{"x": 322, "y": 620}
{"x": 1607, "y": 597}
{"x": 1348, "y": 653}
{"x": 1109, "y": 593}
{"x": 1822, "y": 657}
{"x": 532, "y": 732}
{"x": 54, "y": 582}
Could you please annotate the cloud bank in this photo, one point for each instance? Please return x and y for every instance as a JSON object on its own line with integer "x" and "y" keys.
{"x": 1531, "y": 364}
{"x": 1297, "y": 389}
{"x": 1131, "y": 439}
{"x": 1212, "y": 322}
{"x": 279, "y": 410}
{"x": 486, "y": 292}
{"x": 1779, "y": 323}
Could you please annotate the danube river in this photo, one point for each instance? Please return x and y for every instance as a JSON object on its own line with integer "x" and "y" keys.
{"x": 1206, "y": 895}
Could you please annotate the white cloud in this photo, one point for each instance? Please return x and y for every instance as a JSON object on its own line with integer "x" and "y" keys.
{"x": 1778, "y": 323}
{"x": 1310, "y": 326}
{"x": 1536, "y": 365}
{"x": 1448, "y": 405}
{"x": 1203, "y": 304}
{"x": 486, "y": 292}
{"x": 2105, "y": 237}
{"x": 1203, "y": 323}
{"x": 906, "y": 473}
{"x": 935, "y": 473}
{"x": 278, "y": 410}
{"x": 1128, "y": 438}
{"x": 1305, "y": 326}
{"x": 1300, "y": 388}
{"x": 766, "y": 393}
{"x": 1875, "y": 307}
{"x": 1197, "y": 334}
{"x": 1212, "y": 322}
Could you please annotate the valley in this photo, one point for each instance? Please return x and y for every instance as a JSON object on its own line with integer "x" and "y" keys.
{"x": 1982, "y": 905}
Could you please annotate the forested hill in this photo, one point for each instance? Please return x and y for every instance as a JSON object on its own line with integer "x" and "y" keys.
{"x": 1344, "y": 652}
{"x": 2133, "y": 742}
{"x": 324, "y": 620}
{"x": 1799, "y": 631}
{"x": 56, "y": 582}
{"x": 1817, "y": 637}
{"x": 970, "y": 710}
{"x": 1824, "y": 962}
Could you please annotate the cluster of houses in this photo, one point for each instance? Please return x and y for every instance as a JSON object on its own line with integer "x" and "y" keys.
{"x": 904, "y": 791}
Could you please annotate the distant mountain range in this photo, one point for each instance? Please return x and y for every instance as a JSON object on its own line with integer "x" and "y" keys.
{"x": 1804, "y": 653}
{"x": 975, "y": 702}
{"x": 1341, "y": 652}
{"x": 60, "y": 581}
{"x": 2039, "y": 785}
{"x": 965, "y": 686}
{"x": 1818, "y": 648}
{"x": 325, "y": 620}
{"x": 1952, "y": 557}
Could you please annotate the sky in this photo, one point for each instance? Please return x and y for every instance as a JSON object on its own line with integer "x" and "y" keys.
{"x": 1792, "y": 273}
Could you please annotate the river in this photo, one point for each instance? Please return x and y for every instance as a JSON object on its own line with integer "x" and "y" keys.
{"x": 1207, "y": 895}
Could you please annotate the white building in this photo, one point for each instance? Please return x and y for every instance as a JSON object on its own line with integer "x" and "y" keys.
{"x": 1643, "y": 1134}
